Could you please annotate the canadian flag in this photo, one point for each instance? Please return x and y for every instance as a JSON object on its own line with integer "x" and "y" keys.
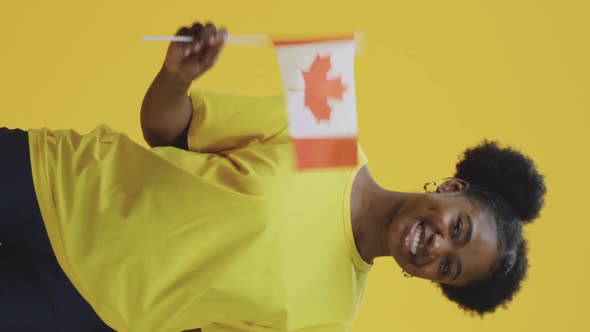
{"x": 318, "y": 78}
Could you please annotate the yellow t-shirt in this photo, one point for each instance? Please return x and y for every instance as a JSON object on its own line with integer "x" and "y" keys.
{"x": 227, "y": 237}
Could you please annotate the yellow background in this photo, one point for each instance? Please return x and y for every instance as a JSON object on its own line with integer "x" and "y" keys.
{"x": 437, "y": 76}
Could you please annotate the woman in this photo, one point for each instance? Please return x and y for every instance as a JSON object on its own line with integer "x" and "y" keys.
{"x": 213, "y": 229}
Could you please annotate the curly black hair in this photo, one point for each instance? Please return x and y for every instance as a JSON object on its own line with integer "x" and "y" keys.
{"x": 507, "y": 184}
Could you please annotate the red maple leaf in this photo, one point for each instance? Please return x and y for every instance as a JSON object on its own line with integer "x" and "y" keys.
{"x": 318, "y": 88}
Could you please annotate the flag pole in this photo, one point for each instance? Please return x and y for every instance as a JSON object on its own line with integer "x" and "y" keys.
{"x": 237, "y": 40}
{"x": 256, "y": 40}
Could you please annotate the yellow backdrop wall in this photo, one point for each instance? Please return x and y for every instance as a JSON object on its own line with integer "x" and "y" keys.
{"x": 437, "y": 76}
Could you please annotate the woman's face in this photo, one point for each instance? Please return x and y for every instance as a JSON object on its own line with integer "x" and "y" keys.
{"x": 444, "y": 237}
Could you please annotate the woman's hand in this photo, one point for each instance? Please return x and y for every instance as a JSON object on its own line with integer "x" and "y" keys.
{"x": 188, "y": 61}
{"x": 166, "y": 110}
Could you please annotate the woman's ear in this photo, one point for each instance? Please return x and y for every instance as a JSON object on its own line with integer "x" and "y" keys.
{"x": 453, "y": 185}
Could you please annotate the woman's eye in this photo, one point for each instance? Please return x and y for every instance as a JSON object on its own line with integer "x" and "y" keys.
{"x": 446, "y": 267}
{"x": 457, "y": 229}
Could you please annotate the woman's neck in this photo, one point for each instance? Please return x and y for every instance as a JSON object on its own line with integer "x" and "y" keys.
{"x": 372, "y": 209}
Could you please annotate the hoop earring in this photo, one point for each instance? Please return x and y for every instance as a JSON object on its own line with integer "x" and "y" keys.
{"x": 427, "y": 184}
{"x": 406, "y": 274}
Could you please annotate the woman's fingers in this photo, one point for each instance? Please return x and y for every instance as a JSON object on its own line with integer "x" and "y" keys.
{"x": 184, "y": 31}
{"x": 214, "y": 49}
{"x": 197, "y": 31}
{"x": 190, "y": 60}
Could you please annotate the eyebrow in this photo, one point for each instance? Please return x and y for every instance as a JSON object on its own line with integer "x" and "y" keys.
{"x": 458, "y": 270}
{"x": 469, "y": 230}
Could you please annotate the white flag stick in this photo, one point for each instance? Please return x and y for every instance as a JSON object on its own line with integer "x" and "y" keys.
{"x": 248, "y": 40}
{"x": 238, "y": 40}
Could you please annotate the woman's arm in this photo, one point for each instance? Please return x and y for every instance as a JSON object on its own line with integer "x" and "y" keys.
{"x": 166, "y": 110}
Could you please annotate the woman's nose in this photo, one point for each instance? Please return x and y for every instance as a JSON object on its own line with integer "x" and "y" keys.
{"x": 438, "y": 246}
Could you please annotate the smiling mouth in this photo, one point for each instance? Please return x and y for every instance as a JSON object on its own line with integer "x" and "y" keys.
{"x": 414, "y": 237}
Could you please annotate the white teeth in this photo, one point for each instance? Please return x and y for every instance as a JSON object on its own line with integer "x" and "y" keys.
{"x": 416, "y": 239}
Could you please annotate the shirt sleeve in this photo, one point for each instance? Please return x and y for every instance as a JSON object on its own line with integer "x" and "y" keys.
{"x": 324, "y": 328}
{"x": 320, "y": 328}
{"x": 223, "y": 122}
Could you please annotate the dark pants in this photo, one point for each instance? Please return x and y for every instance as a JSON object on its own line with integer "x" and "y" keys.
{"x": 35, "y": 294}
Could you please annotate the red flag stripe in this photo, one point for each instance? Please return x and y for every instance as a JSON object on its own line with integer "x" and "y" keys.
{"x": 287, "y": 42}
{"x": 325, "y": 152}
